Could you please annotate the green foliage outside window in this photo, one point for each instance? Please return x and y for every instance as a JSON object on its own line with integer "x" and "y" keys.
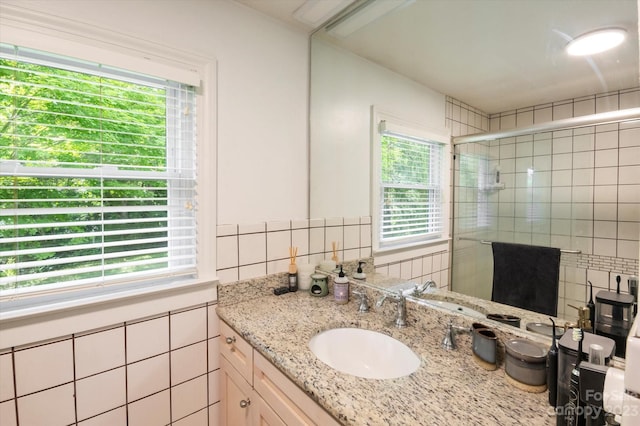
{"x": 409, "y": 186}
{"x": 61, "y": 120}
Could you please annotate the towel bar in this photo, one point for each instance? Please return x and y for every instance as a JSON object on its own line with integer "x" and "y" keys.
{"x": 489, "y": 243}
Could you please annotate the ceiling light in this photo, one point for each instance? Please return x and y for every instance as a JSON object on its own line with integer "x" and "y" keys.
{"x": 596, "y": 41}
{"x": 363, "y": 15}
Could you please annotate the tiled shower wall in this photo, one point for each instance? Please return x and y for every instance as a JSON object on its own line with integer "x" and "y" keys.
{"x": 162, "y": 370}
{"x": 575, "y": 189}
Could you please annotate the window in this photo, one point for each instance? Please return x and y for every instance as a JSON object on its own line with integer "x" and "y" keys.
{"x": 97, "y": 174}
{"x": 410, "y": 182}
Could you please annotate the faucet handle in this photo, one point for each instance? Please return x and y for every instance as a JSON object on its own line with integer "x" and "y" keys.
{"x": 364, "y": 300}
{"x": 449, "y": 340}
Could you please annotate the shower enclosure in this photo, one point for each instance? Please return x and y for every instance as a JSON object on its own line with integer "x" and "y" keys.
{"x": 572, "y": 184}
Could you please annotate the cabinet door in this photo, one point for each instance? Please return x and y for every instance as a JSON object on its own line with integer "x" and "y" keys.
{"x": 264, "y": 414}
{"x": 237, "y": 351}
{"x": 235, "y": 397}
{"x": 290, "y": 402}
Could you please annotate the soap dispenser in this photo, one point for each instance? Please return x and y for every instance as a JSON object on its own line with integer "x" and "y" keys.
{"x": 341, "y": 288}
{"x": 359, "y": 274}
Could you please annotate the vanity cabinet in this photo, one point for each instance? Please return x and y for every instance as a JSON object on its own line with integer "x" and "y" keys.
{"x": 255, "y": 392}
{"x": 236, "y": 397}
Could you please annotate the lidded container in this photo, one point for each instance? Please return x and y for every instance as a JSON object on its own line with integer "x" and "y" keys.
{"x": 526, "y": 362}
{"x": 614, "y": 317}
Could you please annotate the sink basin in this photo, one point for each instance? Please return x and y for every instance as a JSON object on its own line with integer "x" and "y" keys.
{"x": 364, "y": 353}
{"x": 456, "y": 307}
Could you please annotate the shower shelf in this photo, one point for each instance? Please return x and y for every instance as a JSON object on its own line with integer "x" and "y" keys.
{"x": 493, "y": 187}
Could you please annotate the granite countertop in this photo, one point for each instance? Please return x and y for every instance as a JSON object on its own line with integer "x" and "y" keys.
{"x": 448, "y": 388}
{"x": 385, "y": 283}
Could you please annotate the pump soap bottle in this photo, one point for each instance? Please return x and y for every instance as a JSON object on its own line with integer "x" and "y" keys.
{"x": 341, "y": 288}
{"x": 360, "y": 275}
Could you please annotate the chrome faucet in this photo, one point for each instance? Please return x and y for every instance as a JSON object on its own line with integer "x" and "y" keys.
{"x": 401, "y": 318}
{"x": 449, "y": 340}
{"x": 363, "y": 303}
{"x": 424, "y": 288}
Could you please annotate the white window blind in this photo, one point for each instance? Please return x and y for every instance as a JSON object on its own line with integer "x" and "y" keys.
{"x": 410, "y": 188}
{"x": 97, "y": 174}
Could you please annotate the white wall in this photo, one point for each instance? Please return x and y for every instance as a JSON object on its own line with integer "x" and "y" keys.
{"x": 343, "y": 89}
{"x": 262, "y": 92}
{"x": 262, "y": 176}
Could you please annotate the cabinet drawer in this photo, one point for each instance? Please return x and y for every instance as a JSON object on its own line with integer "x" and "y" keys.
{"x": 290, "y": 402}
{"x": 237, "y": 351}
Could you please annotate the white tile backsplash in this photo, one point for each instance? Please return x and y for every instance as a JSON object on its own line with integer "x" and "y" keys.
{"x": 300, "y": 239}
{"x": 100, "y": 393}
{"x": 351, "y": 236}
{"x": 95, "y": 378}
{"x": 6, "y": 377}
{"x": 147, "y": 377}
{"x": 188, "y": 327}
{"x": 43, "y": 366}
{"x": 227, "y": 252}
{"x": 278, "y": 244}
{"x": 188, "y": 397}
{"x": 154, "y": 410}
{"x": 98, "y": 352}
{"x": 334, "y": 234}
{"x": 8, "y": 413}
{"x": 188, "y": 362}
{"x": 256, "y": 270}
{"x": 53, "y": 406}
{"x": 147, "y": 338}
{"x": 281, "y": 225}
{"x": 110, "y": 418}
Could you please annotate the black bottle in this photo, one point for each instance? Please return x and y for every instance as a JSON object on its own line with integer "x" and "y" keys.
{"x": 552, "y": 369}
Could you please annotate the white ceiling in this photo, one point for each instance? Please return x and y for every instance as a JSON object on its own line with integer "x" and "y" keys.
{"x": 495, "y": 55}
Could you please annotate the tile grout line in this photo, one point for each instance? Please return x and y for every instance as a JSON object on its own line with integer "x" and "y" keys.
{"x": 126, "y": 376}
{"x": 75, "y": 385}
{"x": 15, "y": 388}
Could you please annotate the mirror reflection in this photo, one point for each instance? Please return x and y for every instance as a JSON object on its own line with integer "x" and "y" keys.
{"x": 490, "y": 67}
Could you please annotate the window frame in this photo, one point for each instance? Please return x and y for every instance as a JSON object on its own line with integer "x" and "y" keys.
{"x": 384, "y": 122}
{"x": 87, "y": 306}
{"x": 171, "y": 173}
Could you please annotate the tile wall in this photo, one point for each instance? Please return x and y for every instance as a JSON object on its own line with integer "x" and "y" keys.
{"x": 161, "y": 370}
{"x": 419, "y": 269}
{"x": 577, "y": 189}
{"x": 254, "y": 250}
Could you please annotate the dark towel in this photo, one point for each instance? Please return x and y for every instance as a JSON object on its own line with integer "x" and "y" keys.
{"x": 526, "y": 277}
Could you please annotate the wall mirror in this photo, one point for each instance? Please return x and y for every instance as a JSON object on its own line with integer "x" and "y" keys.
{"x": 474, "y": 67}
